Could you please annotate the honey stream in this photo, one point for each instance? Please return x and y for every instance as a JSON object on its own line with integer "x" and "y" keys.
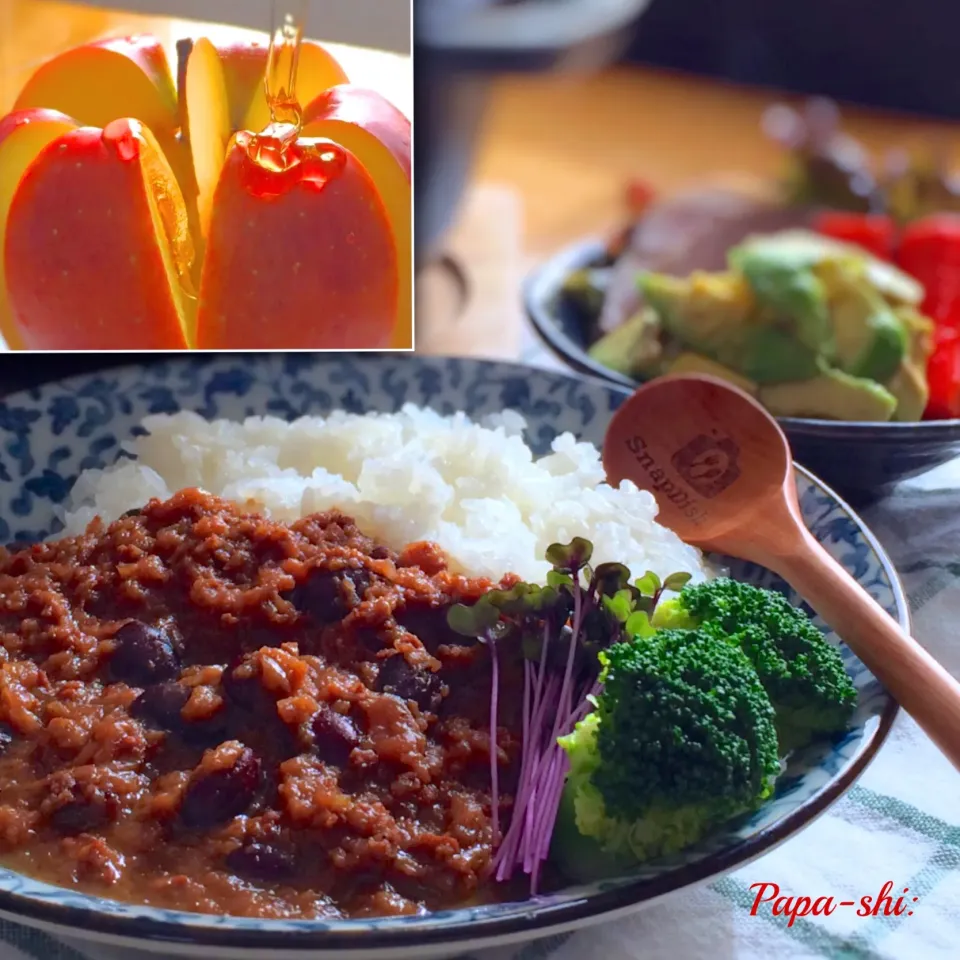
{"x": 271, "y": 147}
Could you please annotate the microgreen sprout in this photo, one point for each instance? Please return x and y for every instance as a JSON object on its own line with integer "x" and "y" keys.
{"x": 563, "y": 628}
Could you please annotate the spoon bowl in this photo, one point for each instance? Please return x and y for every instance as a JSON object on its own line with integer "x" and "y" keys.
{"x": 710, "y": 454}
{"x": 722, "y": 472}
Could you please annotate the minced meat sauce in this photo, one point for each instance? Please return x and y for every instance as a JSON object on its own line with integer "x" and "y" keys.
{"x": 207, "y": 710}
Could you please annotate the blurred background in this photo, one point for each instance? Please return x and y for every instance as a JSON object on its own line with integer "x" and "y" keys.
{"x": 384, "y": 24}
{"x": 898, "y": 56}
{"x": 525, "y": 146}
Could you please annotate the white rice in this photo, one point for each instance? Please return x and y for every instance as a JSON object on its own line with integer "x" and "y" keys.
{"x": 476, "y": 489}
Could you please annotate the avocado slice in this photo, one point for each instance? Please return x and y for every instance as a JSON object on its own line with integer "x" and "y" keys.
{"x": 708, "y": 312}
{"x": 871, "y": 339}
{"x": 788, "y": 290}
{"x": 909, "y": 384}
{"x": 769, "y": 354}
{"x": 587, "y": 288}
{"x": 804, "y": 248}
{"x": 633, "y": 348}
{"x": 688, "y": 362}
{"x": 832, "y": 395}
{"x": 715, "y": 315}
{"x": 909, "y": 388}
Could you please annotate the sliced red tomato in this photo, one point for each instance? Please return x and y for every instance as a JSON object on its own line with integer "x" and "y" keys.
{"x": 943, "y": 376}
{"x": 875, "y": 234}
{"x": 930, "y": 251}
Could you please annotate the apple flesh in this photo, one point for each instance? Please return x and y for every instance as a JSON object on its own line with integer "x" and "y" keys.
{"x": 98, "y": 82}
{"x": 302, "y": 258}
{"x": 317, "y": 70}
{"x": 378, "y": 135}
{"x": 98, "y": 250}
{"x": 244, "y": 67}
{"x": 208, "y": 122}
{"x": 23, "y": 134}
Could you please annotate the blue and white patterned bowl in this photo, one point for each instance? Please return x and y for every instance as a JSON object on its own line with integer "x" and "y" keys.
{"x": 48, "y": 435}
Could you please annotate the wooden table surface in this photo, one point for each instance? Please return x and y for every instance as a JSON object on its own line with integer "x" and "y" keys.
{"x": 568, "y": 145}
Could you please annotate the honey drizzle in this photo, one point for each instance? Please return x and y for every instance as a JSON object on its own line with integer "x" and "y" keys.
{"x": 271, "y": 147}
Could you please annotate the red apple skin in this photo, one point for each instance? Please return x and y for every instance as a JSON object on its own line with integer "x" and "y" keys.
{"x": 83, "y": 265}
{"x": 379, "y": 135}
{"x": 367, "y": 109}
{"x": 32, "y": 129}
{"x": 20, "y": 118}
{"x": 303, "y": 259}
{"x": 142, "y": 49}
{"x": 146, "y": 49}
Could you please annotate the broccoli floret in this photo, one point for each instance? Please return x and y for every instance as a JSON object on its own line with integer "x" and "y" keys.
{"x": 802, "y": 673}
{"x": 682, "y": 739}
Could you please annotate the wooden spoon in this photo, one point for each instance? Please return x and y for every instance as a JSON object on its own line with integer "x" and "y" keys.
{"x": 721, "y": 470}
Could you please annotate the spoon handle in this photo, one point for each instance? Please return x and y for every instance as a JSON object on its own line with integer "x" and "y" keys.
{"x": 915, "y": 679}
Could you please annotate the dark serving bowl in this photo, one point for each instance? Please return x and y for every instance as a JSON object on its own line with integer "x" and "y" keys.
{"x": 860, "y": 460}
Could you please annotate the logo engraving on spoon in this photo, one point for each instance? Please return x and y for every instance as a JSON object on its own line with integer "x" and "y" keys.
{"x": 708, "y": 465}
{"x": 660, "y": 481}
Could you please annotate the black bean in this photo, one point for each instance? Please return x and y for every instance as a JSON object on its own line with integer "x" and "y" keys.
{"x": 242, "y": 692}
{"x": 261, "y": 861}
{"x": 245, "y": 695}
{"x": 246, "y": 690}
{"x": 399, "y": 678}
{"x": 320, "y": 598}
{"x": 328, "y": 596}
{"x": 371, "y": 641}
{"x": 77, "y": 817}
{"x": 160, "y": 705}
{"x": 135, "y": 512}
{"x": 143, "y": 654}
{"x": 334, "y": 735}
{"x": 359, "y": 582}
{"x": 429, "y": 625}
{"x": 86, "y": 811}
{"x": 7, "y": 736}
{"x": 221, "y": 795}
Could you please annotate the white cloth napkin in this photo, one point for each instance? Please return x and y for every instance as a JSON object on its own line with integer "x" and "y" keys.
{"x": 899, "y": 823}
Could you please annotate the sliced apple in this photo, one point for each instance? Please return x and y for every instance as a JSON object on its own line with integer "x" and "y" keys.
{"x": 23, "y": 135}
{"x": 378, "y": 135}
{"x": 316, "y": 71}
{"x": 244, "y": 67}
{"x": 304, "y": 258}
{"x": 208, "y": 122}
{"x": 98, "y": 251}
{"x": 121, "y": 77}
{"x": 224, "y": 92}
{"x": 98, "y": 82}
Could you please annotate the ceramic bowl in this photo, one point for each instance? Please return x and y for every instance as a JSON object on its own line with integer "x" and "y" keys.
{"x": 49, "y": 434}
{"x": 860, "y": 460}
